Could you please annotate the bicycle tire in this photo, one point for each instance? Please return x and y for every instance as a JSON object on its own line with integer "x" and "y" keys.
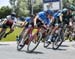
{"x": 30, "y": 41}
{"x": 55, "y": 44}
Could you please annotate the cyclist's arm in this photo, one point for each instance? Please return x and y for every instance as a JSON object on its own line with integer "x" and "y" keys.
{"x": 35, "y": 19}
{"x": 70, "y": 22}
{"x": 22, "y": 24}
{"x": 4, "y": 21}
{"x": 60, "y": 17}
{"x": 52, "y": 20}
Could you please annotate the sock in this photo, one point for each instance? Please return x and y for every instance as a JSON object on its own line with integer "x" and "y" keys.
{"x": 50, "y": 38}
{"x": 22, "y": 41}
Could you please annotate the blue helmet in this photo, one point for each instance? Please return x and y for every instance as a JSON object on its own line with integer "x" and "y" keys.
{"x": 50, "y": 12}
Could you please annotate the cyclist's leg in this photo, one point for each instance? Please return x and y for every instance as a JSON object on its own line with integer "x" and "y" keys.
{"x": 23, "y": 34}
{"x": 11, "y": 30}
{"x": 4, "y": 27}
{"x": 27, "y": 29}
{"x": 52, "y": 32}
{"x": 55, "y": 27}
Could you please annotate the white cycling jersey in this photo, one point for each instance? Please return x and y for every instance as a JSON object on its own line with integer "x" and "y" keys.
{"x": 9, "y": 17}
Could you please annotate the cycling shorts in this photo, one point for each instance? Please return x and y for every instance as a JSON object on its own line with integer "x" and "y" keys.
{"x": 8, "y": 23}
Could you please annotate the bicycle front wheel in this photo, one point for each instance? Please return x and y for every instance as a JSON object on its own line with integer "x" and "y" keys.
{"x": 19, "y": 48}
{"x": 33, "y": 43}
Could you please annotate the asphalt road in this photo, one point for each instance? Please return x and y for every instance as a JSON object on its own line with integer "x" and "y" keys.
{"x": 66, "y": 51}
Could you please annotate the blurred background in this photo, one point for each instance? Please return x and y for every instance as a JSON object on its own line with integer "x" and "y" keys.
{"x": 27, "y": 7}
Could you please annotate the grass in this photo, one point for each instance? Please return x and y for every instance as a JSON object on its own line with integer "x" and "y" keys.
{"x": 12, "y": 36}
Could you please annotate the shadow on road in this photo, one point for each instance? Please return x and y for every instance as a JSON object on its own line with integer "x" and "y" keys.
{"x": 34, "y": 52}
{"x": 64, "y": 46}
{"x": 60, "y": 49}
{"x": 4, "y": 44}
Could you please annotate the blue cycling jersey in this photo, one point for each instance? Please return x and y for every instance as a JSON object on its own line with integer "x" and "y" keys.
{"x": 43, "y": 17}
{"x": 28, "y": 19}
{"x": 57, "y": 14}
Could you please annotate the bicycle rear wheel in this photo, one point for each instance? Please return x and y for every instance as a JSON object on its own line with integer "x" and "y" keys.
{"x": 58, "y": 41}
{"x": 33, "y": 43}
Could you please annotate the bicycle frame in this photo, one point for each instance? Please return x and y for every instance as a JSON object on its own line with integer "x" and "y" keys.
{"x": 32, "y": 32}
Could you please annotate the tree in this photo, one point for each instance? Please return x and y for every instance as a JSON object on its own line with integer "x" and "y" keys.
{"x": 37, "y": 8}
{"x": 4, "y": 11}
{"x": 23, "y": 7}
{"x": 13, "y": 5}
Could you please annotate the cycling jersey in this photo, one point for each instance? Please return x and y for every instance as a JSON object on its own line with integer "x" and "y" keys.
{"x": 43, "y": 17}
{"x": 9, "y": 21}
{"x": 65, "y": 16}
{"x": 28, "y": 19}
{"x": 57, "y": 14}
{"x": 14, "y": 19}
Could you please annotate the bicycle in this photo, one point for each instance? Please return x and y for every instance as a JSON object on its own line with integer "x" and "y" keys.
{"x": 56, "y": 40}
{"x": 35, "y": 36}
{"x": 32, "y": 39}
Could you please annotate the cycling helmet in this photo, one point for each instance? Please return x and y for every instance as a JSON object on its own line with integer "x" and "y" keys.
{"x": 13, "y": 14}
{"x": 22, "y": 18}
{"x": 64, "y": 11}
{"x": 50, "y": 12}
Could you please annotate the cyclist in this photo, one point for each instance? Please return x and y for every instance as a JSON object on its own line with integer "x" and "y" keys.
{"x": 9, "y": 22}
{"x": 61, "y": 17}
{"x": 43, "y": 18}
{"x": 28, "y": 23}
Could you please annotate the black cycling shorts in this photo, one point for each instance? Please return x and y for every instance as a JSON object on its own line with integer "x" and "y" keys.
{"x": 8, "y": 23}
{"x": 39, "y": 23}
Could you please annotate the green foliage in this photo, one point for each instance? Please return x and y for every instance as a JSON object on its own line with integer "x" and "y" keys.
{"x": 23, "y": 7}
{"x": 37, "y": 8}
{"x": 4, "y": 11}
